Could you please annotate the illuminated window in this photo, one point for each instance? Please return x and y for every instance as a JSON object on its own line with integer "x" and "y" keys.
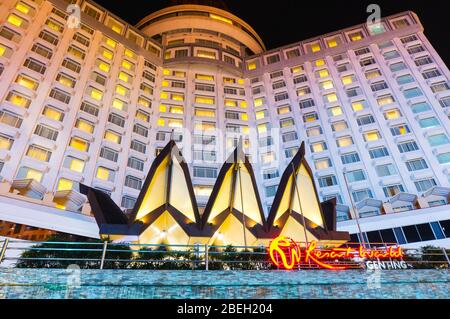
{"x": 29, "y": 173}
{"x": 161, "y": 122}
{"x": 297, "y": 69}
{"x": 64, "y": 185}
{"x": 331, "y": 98}
{"x": 56, "y": 26}
{"x": 175, "y": 123}
{"x": 344, "y": 141}
{"x": 240, "y": 81}
{"x": 79, "y": 144}
{"x": 142, "y": 116}
{"x": 315, "y": 47}
{"x": 262, "y": 114}
{"x": 15, "y": 20}
{"x": 111, "y": 43}
{"x": 231, "y": 103}
{"x": 66, "y": 80}
{"x": 105, "y": 174}
{"x": 53, "y": 113}
{"x": 204, "y": 100}
{"x": 204, "y": 77}
{"x": 107, "y": 54}
{"x": 22, "y": 7}
{"x": 130, "y": 54}
{"x": 251, "y": 66}
{"x": 346, "y": 80}
{"x": 332, "y": 43}
{"x": 339, "y": 126}
{"x": 74, "y": 164}
{"x": 105, "y": 67}
{"x": 205, "y": 112}
{"x": 165, "y": 83}
{"x": 144, "y": 102}
{"x": 263, "y": 128}
{"x": 318, "y": 147}
{"x": 335, "y": 111}
{"x": 356, "y": 36}
{"x": 372, "y": 136}
{"x": 392, "y": 114}
{"x": 39, "y": 153}
{"x": 385, "y": 100}
{"x": 115, "y": 26}
{"x": 119, "y": 104}
{"x": 320, "y": 62}
{"x": 359, "y": 105}
{"x": 18, "y": 99}
{"x": 6, "y": 142}
{"x": 85, "y": 126}
{"x": 121, "y": 90}
{"x": 27, "y": 82}
{"x": 112, "y": 137}
{"x": 322, "y": 73}
{"x": 203, "y": 190}
{"x": 166, "y": 72}
{"x": 127, "y": 65}
{"x": 206, "y": 54}
{"x": 96, "y": 94}
{"x": 326, "y": 85}
{"x": 220, "y": 18}
{"x": 371, "y": 74}
{"x": 322, "y": 163}
{"x": 176, "y": 110}
{"x": 259, "y": 102}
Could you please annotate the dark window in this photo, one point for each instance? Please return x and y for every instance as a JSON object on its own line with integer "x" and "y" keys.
{"x": 388, "y": 236}
{"x": 411, "y": 234}
{"x": 437, "y": 230}
{"x": 400, "y": 237}
{"x": 375, "y": 238}
{"x": 445, "y": 224}
{"x": 425, "y": 232}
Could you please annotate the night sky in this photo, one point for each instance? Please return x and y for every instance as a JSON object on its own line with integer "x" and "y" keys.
{"x": 283, "y": 22}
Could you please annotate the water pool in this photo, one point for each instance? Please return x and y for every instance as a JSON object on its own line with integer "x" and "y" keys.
{"x": 151, "y": 284}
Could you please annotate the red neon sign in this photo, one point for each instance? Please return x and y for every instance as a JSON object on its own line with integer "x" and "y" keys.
{"x": 286, "y": 253}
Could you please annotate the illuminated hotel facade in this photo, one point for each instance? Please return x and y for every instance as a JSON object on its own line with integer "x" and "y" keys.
{"x": 95, "y": 103}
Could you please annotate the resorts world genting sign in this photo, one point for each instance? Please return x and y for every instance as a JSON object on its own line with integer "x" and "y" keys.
{"x": 285, "y": 253}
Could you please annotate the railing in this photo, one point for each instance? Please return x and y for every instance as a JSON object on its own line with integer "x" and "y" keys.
{"x": 102, "y": 255}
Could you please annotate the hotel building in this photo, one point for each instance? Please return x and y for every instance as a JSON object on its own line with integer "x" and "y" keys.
{"x": 94, "y": 100}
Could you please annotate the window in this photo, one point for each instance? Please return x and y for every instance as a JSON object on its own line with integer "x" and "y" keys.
{"x": 339, "y": 126}
{"x": 105, "y": 174}
{"x": 445, "y": 102}
{"x": 71, "y": 65}
{"x": 29, "y": 173}
{"x": 344, "y": 141}
{"x": 133, "y": 182}
{"x": 6, "y": 142}
{"x": 85, "y": 126}
{"x": 89, "y": 108}
{"x": 273, "y": 59}
{"x": 360, "y": 195}
{"x": 367, "y": 62}
{"x": 17, "y": 21}
{"x": 66, "y": 80}
{"x": 46, "y": 132}
{"x": 10, "y": 119}
{"x": 116, "y": 119}
{"x": 350, "y": 158}
{"x": 391, "y": 191}
{"x": 323, "y": 163}
{"x": 327, "y": 181}
{"x": 407, "y": 147}
{"x": 60, "y": 95}
{"x": 42, "y": 50}
{"x": 286, "y": 122}
{"x": 140, "y": 129}
{"x": 128, "y": 202}
{"x": 440, "y": 87}
{"x": 425, "y": 185}
{"x": 378, "y": 86}
{"x": 354, "y": 92}
{"x": 392, "y": 114}
{"x": 365, "y": 120}
{"x": 416, "y": 165}
{"x": 372, "y": 136}
{"x": 378, "y": 152}
{"x": 18, "y": 99}
{"x": 290, "y": 152}
{"x": 439, "y": 139}
{"x": 35, "y": 65}
{"x": 330, "y": 98}
{"x": 281, "y": 96}
{"x": 396, "y": 67}
{"x": 391, "y": 55}
{"x": 429, "y": 122}
{"x": 432, "y": 73}
{"x": 271, "y": 191}
{"x": 109, "y": 154}
{"x": 310, "y": 117}
{"x": 423, "y": 61}
{"x": 79, "y": 144}
{"x": 205, "y": 172}
{"x": 271, "y": 174}
{"x": 314, "y": 131}
{"x": 74, "y": 164}
{"x": 39, "y": 153}
{"x": 359, "y": 105}
{"x": 385, "y": 170}
{"x": 385, "y": 100}
{"x": 304, "y": 104}
{"x": 371, "y": 74}
{"x": 400, "y": 130}
{"x": 135, "y": 163}
{"x": 289, "y": 137}
{"x": 138, "y": 146}
{"x": 444, "y": 158}
{"x": 356, "y": 176}
{"x": 49, "y": 37}
{"x": 318, "y": 147}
